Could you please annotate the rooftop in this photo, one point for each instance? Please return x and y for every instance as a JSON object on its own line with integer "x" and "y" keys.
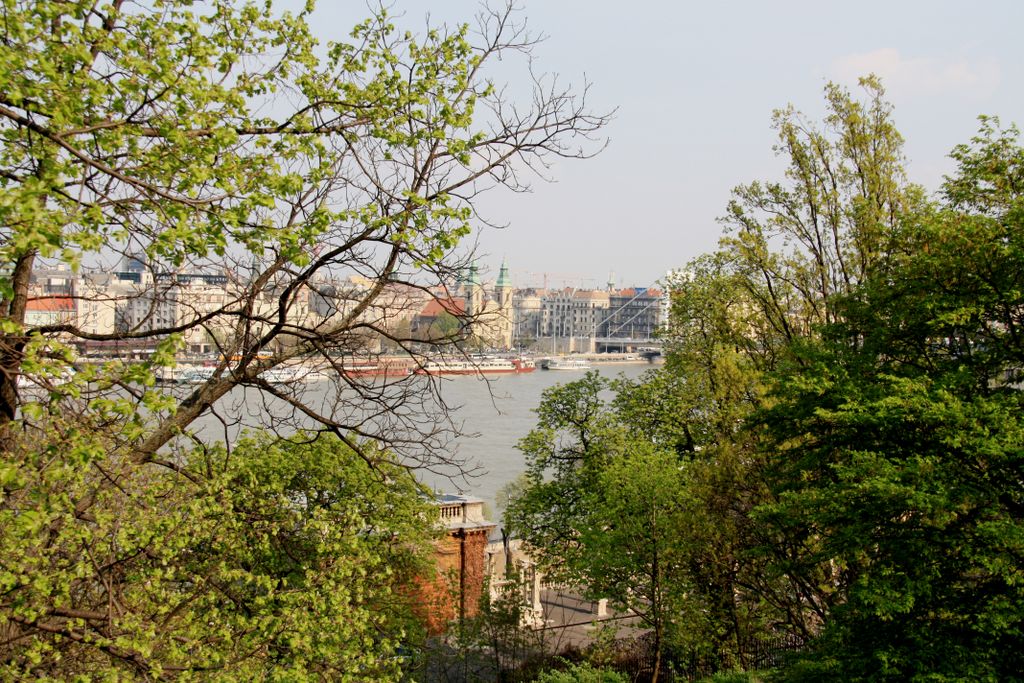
{"x": 462, "y": 512}
{"x": 51, "y": 303}
{"x": 435, "y": 307}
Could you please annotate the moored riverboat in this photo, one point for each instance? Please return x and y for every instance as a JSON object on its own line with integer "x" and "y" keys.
{"x": 477, "y": 366}
{"x": 566, "y": 364}
{"x": 381, "y": 369}
{"x": 283, "y": 375}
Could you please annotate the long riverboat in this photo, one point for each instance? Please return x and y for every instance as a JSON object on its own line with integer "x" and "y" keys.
{"x": 283, "y": 375}
{"x": 185, "y": 374}
{"x": 477, "y": 366}
{"x": 566, "y": 364}
{"x": 383, "y": 368}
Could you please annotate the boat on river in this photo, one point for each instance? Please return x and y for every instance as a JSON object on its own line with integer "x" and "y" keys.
{"x": 189, "y": 375}
{"x": 566, "y": 364}
{"x": 477, "y": 366}
{"x": 46, "y": 381}
{"x": 384, "y": 368}
{"x": 283, "y": 375}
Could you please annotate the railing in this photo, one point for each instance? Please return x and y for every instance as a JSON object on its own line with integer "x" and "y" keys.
{"x": 452, "y": 512}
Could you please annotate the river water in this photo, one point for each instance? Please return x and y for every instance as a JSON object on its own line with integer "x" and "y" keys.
{"x": 493, "y": 414}
{"x": 495, "y": 425}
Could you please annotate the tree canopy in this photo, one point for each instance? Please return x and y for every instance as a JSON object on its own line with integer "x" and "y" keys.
{"x": 224, "y": 139}
{"x": 897, "y": 444}
{"x": 220, "y": 141}
{"x": 839, "y": 417}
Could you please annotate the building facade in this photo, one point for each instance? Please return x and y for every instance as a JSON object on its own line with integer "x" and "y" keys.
{"x": 455, "y": 590}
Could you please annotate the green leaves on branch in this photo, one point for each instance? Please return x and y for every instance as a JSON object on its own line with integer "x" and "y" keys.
{"x": 276, "y": 560}
{"x": 895, "y": 443}
{"x": 217, "y": 137}
{"x": 833, "y": 448}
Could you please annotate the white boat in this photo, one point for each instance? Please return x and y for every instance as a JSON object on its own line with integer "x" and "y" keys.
{"x": 194, "y": 375}
{"x": 282, "y": 375}
{"x": 46, "y": 381}
{"x": 567, "y": 364}
{"x": 477, "y": 366}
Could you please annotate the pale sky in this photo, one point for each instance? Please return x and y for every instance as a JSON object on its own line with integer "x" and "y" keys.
{"x": 695, "y": 85}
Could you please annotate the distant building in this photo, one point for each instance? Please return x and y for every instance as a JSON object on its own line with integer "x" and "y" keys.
{"x": 591, "y": 320}
{"x": 98, "y": 296}
{"x": 49, "y": 310}
{"x": 527, "y": 316}
{"x": 490, "y": 312}
{"x": 133, "y": 263}
{"x": 512, "y": 571}
{"x": 483, "y": 315}
{"x": 637, "y": 313}
{"x": 57, "y": 281}
{"x": 176, "y": 300}
{"x": 571, "y": 319}
{"x": 102, "y": 300}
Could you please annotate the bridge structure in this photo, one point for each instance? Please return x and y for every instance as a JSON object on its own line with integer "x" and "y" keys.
{"x": 614, "y": 328}
{"x": 628, "y": 323}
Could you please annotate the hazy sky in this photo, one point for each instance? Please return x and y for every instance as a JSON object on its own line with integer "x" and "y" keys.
{"x": 695, "y": 85}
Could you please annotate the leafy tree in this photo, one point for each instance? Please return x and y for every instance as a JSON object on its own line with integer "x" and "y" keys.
{"x": 852, "y": 513}
{"x": 634, "y": 543}
{"x": 897, "y": 444}
{"x": 266, "y": 561}
{"x": 797, "y": 244}
{"x": 564, "y": 453}
{"x": 222, "y": 139}
{"x": 790, "y": 249}
{"x": 445, "y": 329}
{"x": 601, "y": 505}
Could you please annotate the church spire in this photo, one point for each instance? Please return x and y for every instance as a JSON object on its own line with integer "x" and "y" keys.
{"x": 503, "y": 279}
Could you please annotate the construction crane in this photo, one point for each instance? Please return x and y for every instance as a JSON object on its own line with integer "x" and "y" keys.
{"x": 549, "y": 279}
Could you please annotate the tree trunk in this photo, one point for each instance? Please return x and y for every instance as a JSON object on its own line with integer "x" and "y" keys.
{"x": 11, "y": 346}
{"x": 657, "y": 655}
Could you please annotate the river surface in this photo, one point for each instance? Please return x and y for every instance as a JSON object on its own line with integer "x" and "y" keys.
{"x": 494, "y": 426}
{"x": 494, "y": 414}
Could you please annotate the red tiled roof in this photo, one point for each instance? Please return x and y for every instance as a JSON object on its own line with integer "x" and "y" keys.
{"x": 50, "y": 304}
{"x": 436, "y": 307}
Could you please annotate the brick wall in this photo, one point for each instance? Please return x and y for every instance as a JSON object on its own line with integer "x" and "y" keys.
{"x": 458, "y": 583}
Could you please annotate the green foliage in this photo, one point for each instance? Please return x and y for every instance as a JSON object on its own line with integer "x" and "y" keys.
{"x": 898, "y": 446}
{"x": 220, "y": 136}
{"x": 171, "y": 89}
{"x": 833, "y": 449}
{"x": 794, "y": 245}
{"x": 445, "y": 328}
{"x": 602, "y": 503}
{"x": 581, "y": 673}
{"x": 564, "y": 455}
{"x": 268, "y": 562}
{"x": 790, "y": 248}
